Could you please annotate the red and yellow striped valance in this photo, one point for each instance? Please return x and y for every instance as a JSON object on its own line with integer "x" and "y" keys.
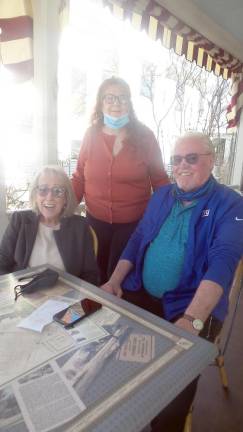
{"x": 160, "y": 24}
{"x": 235, "y": 107}
{"x": 16, "y": 24}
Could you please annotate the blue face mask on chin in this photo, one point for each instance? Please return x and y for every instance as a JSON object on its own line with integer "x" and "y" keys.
{"x": 116, "y": 122}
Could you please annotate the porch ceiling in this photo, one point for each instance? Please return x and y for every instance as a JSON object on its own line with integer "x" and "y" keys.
{"x": 228, "y": 14}
{"x": 218, "y": 20}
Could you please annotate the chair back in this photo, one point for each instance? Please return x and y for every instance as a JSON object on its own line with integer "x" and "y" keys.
{"x": 95, "y": 240}
{"x": 234, "y": 295}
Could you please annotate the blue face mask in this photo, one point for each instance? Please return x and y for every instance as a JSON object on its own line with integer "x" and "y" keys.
{"x": 116, "y": 122}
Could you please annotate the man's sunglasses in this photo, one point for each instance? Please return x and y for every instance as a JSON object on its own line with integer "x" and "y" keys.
{"x": 56, "y": 191}
{"x": 190, "y": 158}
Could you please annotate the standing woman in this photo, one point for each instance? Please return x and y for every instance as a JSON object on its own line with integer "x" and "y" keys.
{"x": 119, "y": 164}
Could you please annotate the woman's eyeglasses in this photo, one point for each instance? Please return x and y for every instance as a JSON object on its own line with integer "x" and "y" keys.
{"x": 190, "y": 158}
{"x": 111, "y": 99}
{"x": 56, "y": 191}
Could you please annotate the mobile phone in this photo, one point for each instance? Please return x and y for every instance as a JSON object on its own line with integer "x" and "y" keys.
{"x": 76, "y": 312}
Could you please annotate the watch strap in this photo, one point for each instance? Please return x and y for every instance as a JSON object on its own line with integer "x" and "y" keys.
{"x": 197, "y": 323}
{"x": 188, "y": 317}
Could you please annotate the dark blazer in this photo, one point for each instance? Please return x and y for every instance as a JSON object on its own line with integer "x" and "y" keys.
{"x": 74, "y": 242}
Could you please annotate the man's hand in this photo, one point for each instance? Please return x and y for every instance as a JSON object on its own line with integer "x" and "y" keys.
{"x": 112, "y": 288}
{"x": 185, "y": 324}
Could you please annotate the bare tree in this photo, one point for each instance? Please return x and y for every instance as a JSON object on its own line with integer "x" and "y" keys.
{"x": 111, "y": 64}
{"x": 151, "y": 74}
{"x": 213, "y": 96}
{"x": 198, "y": 101}
{"x": 16, "y": 197}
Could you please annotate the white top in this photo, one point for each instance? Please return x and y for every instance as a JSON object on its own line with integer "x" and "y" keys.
{"x": 45, "y": 249}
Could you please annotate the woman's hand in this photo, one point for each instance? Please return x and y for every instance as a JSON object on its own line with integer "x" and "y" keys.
{"x": 112, "y": 288}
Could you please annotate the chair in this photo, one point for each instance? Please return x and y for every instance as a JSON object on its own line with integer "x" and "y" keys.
{"x": 223, "y": 338}
{"x": 95, "y": 240}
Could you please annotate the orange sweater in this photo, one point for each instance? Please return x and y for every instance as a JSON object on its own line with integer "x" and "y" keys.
{"x": 117, "y": 188}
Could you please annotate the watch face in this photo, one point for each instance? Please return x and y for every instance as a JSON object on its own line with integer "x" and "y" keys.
{"x": 197, "y": 324}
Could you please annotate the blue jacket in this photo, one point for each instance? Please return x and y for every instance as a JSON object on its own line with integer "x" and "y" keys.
{"x": 214, "y": 247}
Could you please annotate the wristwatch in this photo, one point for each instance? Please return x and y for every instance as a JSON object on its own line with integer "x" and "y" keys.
{"x": 197, "y": 324}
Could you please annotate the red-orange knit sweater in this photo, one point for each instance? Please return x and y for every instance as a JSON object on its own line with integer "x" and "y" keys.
{"x": 117, "y": 188}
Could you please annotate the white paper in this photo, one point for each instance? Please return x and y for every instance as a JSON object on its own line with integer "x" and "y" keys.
{"x": 43, "y": 315}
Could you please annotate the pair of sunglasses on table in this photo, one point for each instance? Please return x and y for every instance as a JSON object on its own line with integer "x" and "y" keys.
{"x": 56, "y": 191}
{"x": 190, "y": 158}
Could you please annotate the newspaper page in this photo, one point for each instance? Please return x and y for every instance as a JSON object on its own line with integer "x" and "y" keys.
{"x": 46, "y": 399}
{"x": 86, "y": 331}
{"x": 7, "y": 302}
{"x": 81, "y": 367}
{"x": 11, "y": 419}
{"x": 34, "y": 349}
{"x": 58, "y": 291}
{"x": 138, "y": 348}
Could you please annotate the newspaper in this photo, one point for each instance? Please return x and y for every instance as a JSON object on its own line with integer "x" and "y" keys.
{"x": 34, "y": 348}
{"x": 37, "y": 348}
{"x": 7, "y": 302}
{"x": 55, "y": 380}
{"x": 58, "y": 291}
{"x": 45, "y": 398}
{"x": 84, "y": 365}
{"x": 105, "y": 316}
{"x": 51, "y": 396}
{"x": 86, "y": 331}
{"x": 138, "y": 348}
{"x": 11, "y": 418}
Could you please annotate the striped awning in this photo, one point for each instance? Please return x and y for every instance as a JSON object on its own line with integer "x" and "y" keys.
{"x": 236, "y": 104}
{"x": 161, "y": 25}
{"x": 16, "y": 24}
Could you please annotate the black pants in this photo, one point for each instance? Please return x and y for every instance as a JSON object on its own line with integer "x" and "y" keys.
{"x": 112, "y": 239}
{"x": 172, "y": 418}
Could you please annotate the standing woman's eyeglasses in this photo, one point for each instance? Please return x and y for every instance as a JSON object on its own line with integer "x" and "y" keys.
{"x": 56, "y": 191}
{"x": 190, "y": 158}
{"x": 112, "y": 99}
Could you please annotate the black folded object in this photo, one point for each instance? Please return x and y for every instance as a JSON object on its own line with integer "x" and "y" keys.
{"x": 44, "y": 279}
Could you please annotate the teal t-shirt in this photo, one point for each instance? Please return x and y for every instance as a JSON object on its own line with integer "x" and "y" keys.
{"x": 164, "y": 257}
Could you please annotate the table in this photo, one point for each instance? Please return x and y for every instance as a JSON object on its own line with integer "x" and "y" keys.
{"x": 114, "y": 371}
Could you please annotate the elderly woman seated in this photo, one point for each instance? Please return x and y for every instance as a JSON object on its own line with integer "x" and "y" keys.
{"x": 50, "y": 232}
